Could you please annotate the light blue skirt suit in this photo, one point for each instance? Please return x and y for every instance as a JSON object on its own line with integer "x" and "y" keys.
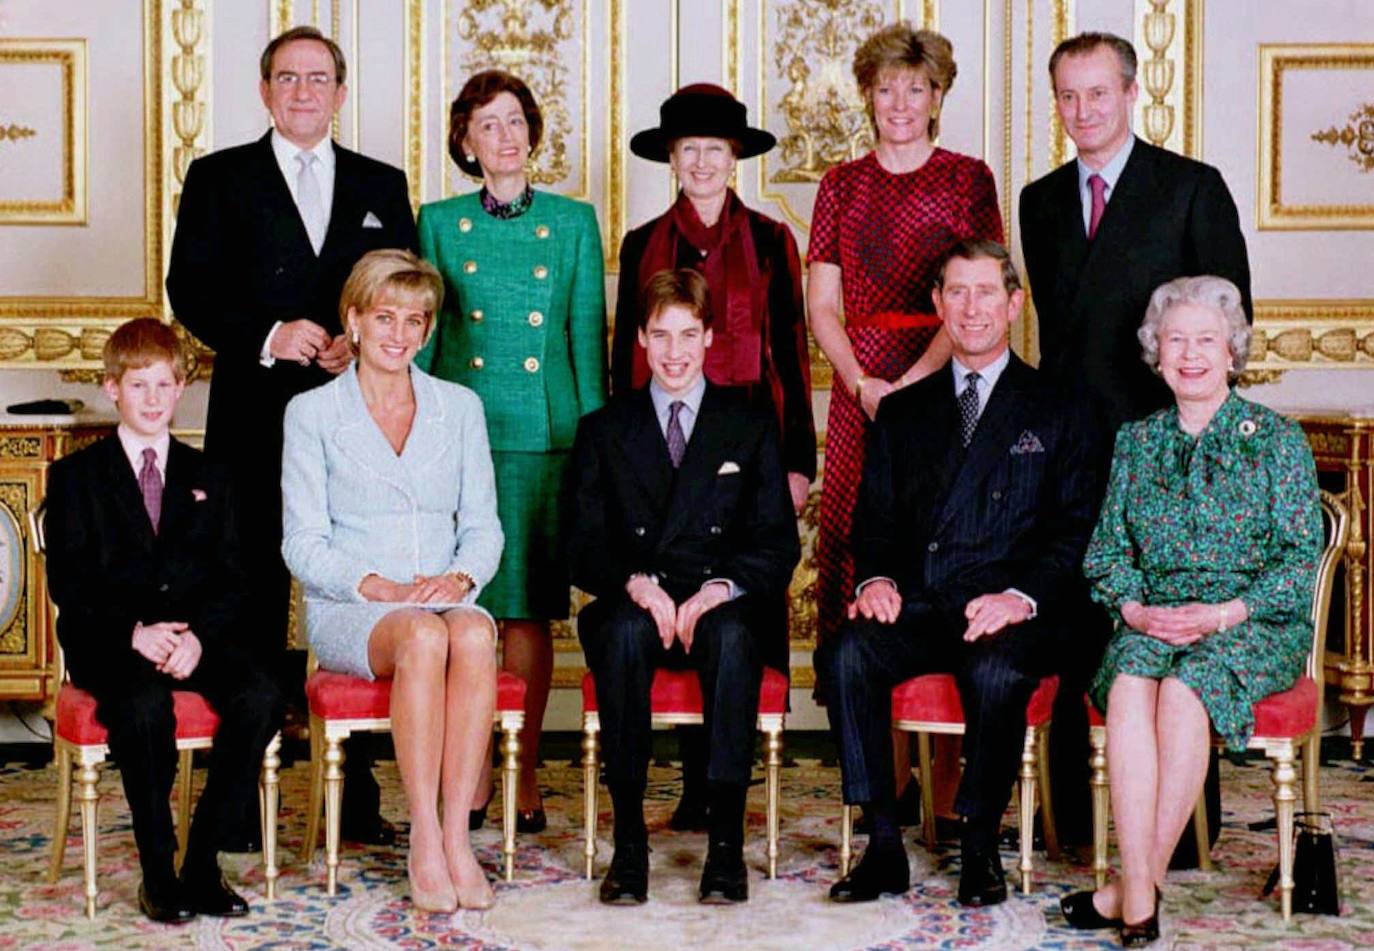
{"x": 352, "y": 506}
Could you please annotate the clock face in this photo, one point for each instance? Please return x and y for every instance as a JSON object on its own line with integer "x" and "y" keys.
{"x": 11, "y": 568}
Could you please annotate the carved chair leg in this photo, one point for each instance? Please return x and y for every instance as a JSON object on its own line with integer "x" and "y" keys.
{"x": 923, "y": 758}
{"x": 333, "y": 802}
{"x": 316, "y": 806}
{"x": 1042, "y": 762}
{"x": 1097, "y": 781}
{"x": 64, "y": 812}
{"x": 590, "y": 745}
{"x": 185, "y": 788}
{"x": 269, "y": 792}
{"x": 1285, "y": 778}
{"x": 773, "y": 762}
{"x": 846, "y": 838}
{"x": 1026, "y": 867}
{"x": 1200, "y": 837}
{"x": 1311, "y": 765}
{"x": 510, "y": 776}
{"x": 89, "y": 796}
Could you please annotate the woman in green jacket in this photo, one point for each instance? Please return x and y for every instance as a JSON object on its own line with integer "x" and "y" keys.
{"x": 524, "y": 325}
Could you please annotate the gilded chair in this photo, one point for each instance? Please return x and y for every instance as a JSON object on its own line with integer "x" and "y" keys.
{"x": 1287, "y": 725}
{"x": 80, "y": 747}
{"x": 930, "y": 704}
{"x": 674, "y": 700}
{"x": 341, "y": 705}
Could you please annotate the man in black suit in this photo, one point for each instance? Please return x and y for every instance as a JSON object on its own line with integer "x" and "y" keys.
{"x": 683, "y": 531}
{"x": 1099, "y": 234}
{"x": 144, "y": 566}
{"x": 974, "y": 510}
{"x": 266, "y": 235}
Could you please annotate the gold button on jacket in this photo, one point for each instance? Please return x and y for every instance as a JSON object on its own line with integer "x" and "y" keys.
{"x": 469, "y": 267}
{"x": 464, "y": 225}
{"x": 541, "y": 231}
{"x": 536, "y": 319}
{"x": 532, "y": 364}
{"x": 540, "y": 272}
{"x": 477, "y": 315}
{"x": 476, "y": 363}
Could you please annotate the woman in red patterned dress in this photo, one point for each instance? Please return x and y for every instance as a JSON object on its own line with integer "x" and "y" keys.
{"x": 880, "y": 227}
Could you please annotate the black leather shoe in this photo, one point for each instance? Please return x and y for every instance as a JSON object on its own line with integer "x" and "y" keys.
{"x": 627, "y": 880}
{"x": 210, "y": 894}
{"x": 690, "y": 815}
{"x": 724, "y": 880}
{"x": 166, "y": 904}
{"x": 879, "y": 872}
{"x": 982, "y": 881}
{"x": 531, "y": 820}
{"x": 1081, "y": 913}
{"x": 373, "y": 830}
{"x": 478, "y": 817}
{"x": 1142, "y": 933}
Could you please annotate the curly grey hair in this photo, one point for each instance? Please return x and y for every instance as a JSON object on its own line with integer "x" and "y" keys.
{"x": 1216, "y": 293}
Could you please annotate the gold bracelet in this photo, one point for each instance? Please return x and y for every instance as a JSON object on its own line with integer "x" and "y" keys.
{"x": 859, "y": 384}
{"x": 464, "y": 577}
{"x": 1221, "y": 618}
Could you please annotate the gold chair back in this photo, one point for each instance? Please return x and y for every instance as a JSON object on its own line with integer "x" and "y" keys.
{"x": 1336, "y": 519}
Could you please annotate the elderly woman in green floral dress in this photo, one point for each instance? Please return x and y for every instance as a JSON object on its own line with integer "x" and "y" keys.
{"x": 1205, "y": 553}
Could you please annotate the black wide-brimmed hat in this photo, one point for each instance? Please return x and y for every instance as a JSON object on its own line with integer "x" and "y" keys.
{"x": 706, "y": 110}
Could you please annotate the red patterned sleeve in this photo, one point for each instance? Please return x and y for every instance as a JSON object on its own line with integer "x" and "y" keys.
{"x": 984, "y": 216}
{"x": 824, "y": 246}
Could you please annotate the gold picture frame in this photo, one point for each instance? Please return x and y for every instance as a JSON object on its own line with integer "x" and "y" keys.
{"x": 69, "y": 56}
{"x": 1276, "y": 61}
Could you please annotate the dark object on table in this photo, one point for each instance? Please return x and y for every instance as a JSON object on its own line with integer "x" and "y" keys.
{"x": 46, "y": 408}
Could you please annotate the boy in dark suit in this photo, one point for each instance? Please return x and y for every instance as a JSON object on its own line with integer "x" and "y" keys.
{"x": 143, "y": 564}
{"x": 683, "y": 531}
{"x": 975, "y": 507}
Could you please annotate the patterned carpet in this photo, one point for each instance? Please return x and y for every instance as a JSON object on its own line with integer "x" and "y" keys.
{"x": 550, "y": 906}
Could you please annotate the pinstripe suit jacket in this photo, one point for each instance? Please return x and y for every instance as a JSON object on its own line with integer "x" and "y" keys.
{"x": 1013, "y": 510}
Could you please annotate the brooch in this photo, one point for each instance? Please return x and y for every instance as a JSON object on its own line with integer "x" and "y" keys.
{"x": 1247, "y": 427}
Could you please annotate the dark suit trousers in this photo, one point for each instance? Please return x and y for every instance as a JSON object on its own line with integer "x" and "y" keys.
{"x": 136, "y": 708}
{"x": 996, "y": 677}
{"x": 623, "y": 650}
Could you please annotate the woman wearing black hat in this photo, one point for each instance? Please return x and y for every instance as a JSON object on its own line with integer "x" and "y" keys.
{"x": 753, "y": 271}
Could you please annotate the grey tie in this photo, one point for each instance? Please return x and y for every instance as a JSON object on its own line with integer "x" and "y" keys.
{"x": 677, "y": 440}
{"x": 308, "y": 199}
{"x": 968, "y": 408}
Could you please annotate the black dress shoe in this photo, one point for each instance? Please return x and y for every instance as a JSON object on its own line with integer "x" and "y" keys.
{"x": 478, "y": 817}
{"x": 1142, "y": 933}
{"x": 165, "y": 903}
{"x": 210, "y": 894}
{"x": 1081, "y": 913}
{"x": 982, "y": 881}
{"x": 880, "y": 872}
{"x": 724, "y": 880}
{"x": 627, "y": 880}
{"x": 531, "y": 820}
{"x": 691, "y": 815}
{"x": 372, "y": 830}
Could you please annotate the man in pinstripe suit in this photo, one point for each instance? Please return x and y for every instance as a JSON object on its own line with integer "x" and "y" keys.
{"x": 976, "y": 504}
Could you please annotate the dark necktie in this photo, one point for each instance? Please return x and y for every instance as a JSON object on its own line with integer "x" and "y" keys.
{"x": 677, "y": 442}
{"x": 150, "y": 484}
{"x": 968, "y": 408}
{"x": 1098, "y": 184}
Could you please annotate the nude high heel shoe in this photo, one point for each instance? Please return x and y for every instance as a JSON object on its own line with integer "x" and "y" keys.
{"x": 442, "y": 900}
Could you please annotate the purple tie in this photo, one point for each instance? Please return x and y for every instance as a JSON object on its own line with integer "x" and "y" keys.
{"x": 150, "y": 484}
{"x": 1099, "y": 186}
{"x": 677, "y": 442}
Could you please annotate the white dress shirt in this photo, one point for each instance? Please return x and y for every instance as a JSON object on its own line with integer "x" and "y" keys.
{"x": 134, "y": 444}
{"x": 1111, "y": 173}
{"x": 987, "y": 378}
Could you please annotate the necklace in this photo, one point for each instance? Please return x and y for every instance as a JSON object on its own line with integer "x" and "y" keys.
{"x": 507, "y": 209}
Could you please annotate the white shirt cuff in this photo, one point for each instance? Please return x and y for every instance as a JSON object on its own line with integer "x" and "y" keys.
{"x": 868, "y": 581}
{"x": 1035, "y": 608}
{"x": 265, "y": 354}
{"x": 734, "y": 590}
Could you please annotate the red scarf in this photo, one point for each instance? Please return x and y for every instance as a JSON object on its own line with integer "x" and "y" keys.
{"x": 739, "y": 295}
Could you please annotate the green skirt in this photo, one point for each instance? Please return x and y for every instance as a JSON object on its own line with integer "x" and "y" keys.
{"x": 532, "y": 582}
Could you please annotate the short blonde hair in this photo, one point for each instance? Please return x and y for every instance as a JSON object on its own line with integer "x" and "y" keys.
{"x": 391, "y": 274}
{"x": 1215, "y": 293}
{"x": 899, "y": 46}
{"x": 141, "y": 343}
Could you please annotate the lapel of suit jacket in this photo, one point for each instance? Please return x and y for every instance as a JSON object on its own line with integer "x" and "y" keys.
{"x": 345, "y": 210}
{"x": 281, "y": 206}
{"x": 125, "y": 493}
{"x": 645, "y": 454}
{"x": 697, "y": 474}
{"x": 176, "y": 492}
{"x": 940, "y": 434}
{"x": 1000, "y": 420}
{"x": 1128, "y": 208}
{"x": 360, "y": 440}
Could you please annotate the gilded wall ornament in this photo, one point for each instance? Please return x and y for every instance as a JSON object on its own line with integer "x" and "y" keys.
{"x": 825, "y": 118}
{"x": 1357, "y": 136}
{"x": 14, "y": 132}
{"x": 531, "y": 40}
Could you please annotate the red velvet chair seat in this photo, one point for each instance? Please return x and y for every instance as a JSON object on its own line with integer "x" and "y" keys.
{"x": 1285, "y": 715}
{"x": 76, "y": 722}
{"x": 335, "y": 696}
{"x": 934, "y": 698}
{"x": 679, "y": 692}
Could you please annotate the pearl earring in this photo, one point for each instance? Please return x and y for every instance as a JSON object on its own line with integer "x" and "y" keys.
{"x": 355, "y": 337}
{"x": 469, "y": 156}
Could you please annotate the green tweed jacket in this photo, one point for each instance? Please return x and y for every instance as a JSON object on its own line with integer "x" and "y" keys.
{"x": 524, "y": 316}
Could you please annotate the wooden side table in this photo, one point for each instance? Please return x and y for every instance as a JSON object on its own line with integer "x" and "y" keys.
{"x": 28, "y": 445}
{"x": 1343, "y": 444}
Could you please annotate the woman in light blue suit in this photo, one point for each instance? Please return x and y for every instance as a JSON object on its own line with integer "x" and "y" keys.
{"x": 390, "y": 524}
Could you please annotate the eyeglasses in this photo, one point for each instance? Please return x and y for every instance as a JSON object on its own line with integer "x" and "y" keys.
{"x": 318, "y": 81}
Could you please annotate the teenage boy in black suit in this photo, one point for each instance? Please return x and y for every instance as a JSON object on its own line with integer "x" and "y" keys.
{"x": 683, "y": 530}
{"x": 977, "y": 499}
{"x": 144, "y": 567}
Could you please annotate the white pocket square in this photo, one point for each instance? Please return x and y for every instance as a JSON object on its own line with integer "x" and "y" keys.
{"x": 728, "y": 468}
{"x": 371, "y": 221}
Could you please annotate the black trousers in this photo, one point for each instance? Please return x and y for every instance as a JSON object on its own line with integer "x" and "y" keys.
{"x": 623, "y": 650}
{"x": 136, "y": 708}
{"x": 996, "y": 677}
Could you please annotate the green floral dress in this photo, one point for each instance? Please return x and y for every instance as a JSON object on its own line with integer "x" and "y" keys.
{"x": 1231, "y": 513}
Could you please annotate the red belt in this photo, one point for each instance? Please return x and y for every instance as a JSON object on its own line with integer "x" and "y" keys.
{"x": 894, "y": 320}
